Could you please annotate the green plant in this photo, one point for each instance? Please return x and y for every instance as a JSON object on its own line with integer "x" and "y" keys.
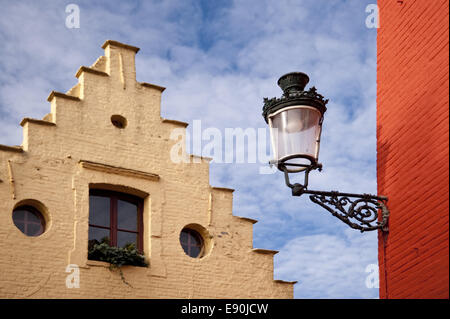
{"x": 115, "y": 256}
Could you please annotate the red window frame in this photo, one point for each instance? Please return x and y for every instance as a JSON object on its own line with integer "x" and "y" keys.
{"x": 113, "y": 228}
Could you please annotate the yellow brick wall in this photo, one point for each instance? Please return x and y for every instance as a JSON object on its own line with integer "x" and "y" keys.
{"x": 76, "y": 147}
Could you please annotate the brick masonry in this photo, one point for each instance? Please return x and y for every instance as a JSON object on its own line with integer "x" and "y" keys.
{"x": 413, "y": 147}
{"x": 75, "y": 148}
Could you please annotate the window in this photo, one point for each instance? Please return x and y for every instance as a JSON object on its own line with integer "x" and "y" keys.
{"x": 192, "y": 242}
{"x": 29, "y": 220}
{"x": 115, "y": 218}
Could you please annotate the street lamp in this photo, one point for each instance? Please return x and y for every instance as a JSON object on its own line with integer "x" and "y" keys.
{"x": 295, "y": 122}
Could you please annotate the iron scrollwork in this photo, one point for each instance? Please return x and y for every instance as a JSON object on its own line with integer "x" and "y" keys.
{"x": 359, "y": 211}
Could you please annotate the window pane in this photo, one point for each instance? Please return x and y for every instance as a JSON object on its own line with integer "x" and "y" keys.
{"x": 20, "y": 224}
{"x": 195, "y": 240}
{"x": 34, "y": 229}
{"x": 98, "y": 234}
{"x": 186, "y": 249}
{"x": 126, "y": 215}
{"x": 99, "y": 210}
{"x": 195, "y": 251}
{"x": 19, "y": 215}
{"x": 184, "y": 237}
{"x": 125, "y": 238}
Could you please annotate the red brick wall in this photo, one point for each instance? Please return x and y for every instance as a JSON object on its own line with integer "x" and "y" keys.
{"x": 413, "y": 147}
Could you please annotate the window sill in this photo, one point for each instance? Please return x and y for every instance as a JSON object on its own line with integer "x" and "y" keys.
{"x": 96, "y": 263}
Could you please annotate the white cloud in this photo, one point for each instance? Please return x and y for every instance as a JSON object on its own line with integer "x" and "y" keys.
{"x": 328, "y": 266}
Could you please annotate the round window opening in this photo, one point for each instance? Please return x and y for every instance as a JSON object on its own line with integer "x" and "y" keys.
{"x": 192, "y": 243}
{"x": 29, "y": 220}
{"x": 119, "y": 121}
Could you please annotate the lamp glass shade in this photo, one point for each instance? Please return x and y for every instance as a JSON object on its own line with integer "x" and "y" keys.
{"x": 295, "y": 134}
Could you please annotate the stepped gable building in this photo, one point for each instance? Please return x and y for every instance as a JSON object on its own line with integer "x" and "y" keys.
{"x": 98, "y": 166}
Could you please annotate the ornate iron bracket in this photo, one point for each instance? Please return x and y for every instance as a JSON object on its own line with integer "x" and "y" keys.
{"x": 359, "y": 211}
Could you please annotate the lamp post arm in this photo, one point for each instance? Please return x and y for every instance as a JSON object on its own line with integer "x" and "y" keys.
{"x": 364, "y": 212}
{"x": 336, "y": 193}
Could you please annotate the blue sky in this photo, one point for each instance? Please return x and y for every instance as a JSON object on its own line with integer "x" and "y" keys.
{"x": 218, "y": 59}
